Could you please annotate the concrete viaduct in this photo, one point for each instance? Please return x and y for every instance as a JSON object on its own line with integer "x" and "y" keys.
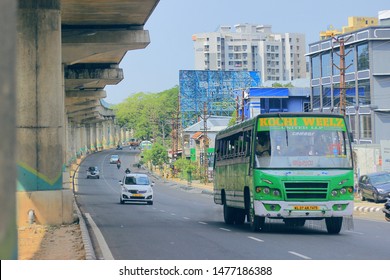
{"x": 57, "y": 56}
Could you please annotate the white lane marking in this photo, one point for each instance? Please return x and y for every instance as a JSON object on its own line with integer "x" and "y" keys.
{"x": 186, "y": 218}
{"x": 256, "y": 239}
{"x": 203, "y": 223}
{"x": 225, "y": 229}
{"x": 118, "y": 189}
{"x": 299, "y": 255}
{"x": 162, "y": 211}
{"x": 100, "y": 239}
{"x": 173, "y": 214}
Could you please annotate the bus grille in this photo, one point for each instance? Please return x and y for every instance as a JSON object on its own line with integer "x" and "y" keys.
{"x": 304, "y": 190}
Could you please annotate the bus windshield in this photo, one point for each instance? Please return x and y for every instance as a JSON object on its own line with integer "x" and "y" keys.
{"x": 289, "y": 147}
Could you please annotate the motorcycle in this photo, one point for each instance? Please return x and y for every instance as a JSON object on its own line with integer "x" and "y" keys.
{"x": 386, "y": 210}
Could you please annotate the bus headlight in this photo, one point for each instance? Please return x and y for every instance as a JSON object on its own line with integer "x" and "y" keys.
{"x": 334, "y": 193}
{"x": 276, "y": 192}
{"x": 343, "y": 191}
{"x": 266, "y": 190}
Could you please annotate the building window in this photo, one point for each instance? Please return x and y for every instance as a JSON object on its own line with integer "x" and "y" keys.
{"x": 365, "y": 127}
{"x": 349, "y": 60}
{"x": 306, "y": 107}
{"x": 336, "y": 95}
{"x": 362, "y": 57}
{"x": 316, "y": 97}
{"x": 315, "y": 67}
{"x": 364, "y": 92}
{"x": 326, "y": 64}
{"x": 326, "y": 96}
{"x": 335, "y": 61}
{"x": 350, "y": 94}
{"x": 351, "y": 126}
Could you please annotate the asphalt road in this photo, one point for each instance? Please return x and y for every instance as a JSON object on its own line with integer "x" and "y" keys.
{"x": 185, "y": 224}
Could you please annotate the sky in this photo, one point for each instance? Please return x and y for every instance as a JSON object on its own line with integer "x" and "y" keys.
{"x": 173, "y": 22}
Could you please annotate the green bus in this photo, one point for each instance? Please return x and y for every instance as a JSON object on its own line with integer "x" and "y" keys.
{"x": 288, "y": 166}
{"x": 145, "y": 145}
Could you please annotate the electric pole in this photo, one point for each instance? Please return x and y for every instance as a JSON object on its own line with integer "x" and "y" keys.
{"x": 342, "y": 69}
{"x": 205, "y": 144}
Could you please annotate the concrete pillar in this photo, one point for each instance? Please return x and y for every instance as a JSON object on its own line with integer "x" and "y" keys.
{"x": 88, "y": 138}
{"x": 40, "y": 126}
{"x": 8, "y": 233}
{"x": 112, "y": 133}
{"x": 83, "y": 140}
{"x": 93, "y": 138}
{"x": 71, "y": 142}
{"x": 123, "y": 135}
{"x": 99, "y": 137}
{"x": 105, "y": 128}
{"x": 76, "y": 139}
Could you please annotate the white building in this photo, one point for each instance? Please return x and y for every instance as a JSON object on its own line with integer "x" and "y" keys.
{"x": 252, "y": 48}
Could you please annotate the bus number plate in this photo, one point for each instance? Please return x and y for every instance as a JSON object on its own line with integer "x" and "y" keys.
{"x": 306, "y": 207}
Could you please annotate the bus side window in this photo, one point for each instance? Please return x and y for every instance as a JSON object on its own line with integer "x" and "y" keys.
{"x": 248, "y": 142}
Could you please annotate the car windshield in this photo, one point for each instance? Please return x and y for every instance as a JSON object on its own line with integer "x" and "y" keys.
{"x": 131, "y": 180}
{"x": 380, "y": 179}
{"x": 114, "y": 157}
{"x": 92, "y": 168}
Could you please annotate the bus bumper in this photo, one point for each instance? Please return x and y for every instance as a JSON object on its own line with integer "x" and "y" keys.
{"x": 290, "y": 209}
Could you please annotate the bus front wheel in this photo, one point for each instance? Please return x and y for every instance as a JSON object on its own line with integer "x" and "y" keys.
{"x": 228, "y": 214}
{"x": 256, "y": 222}
{"x": 333, "y": 224}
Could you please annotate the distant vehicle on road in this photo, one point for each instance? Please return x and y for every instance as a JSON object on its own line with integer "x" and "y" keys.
{"x": 93, "y": 172}
{"x": 114, "y": 159}
{"x": 375, "y": 186}
{"x": 133, "y": 143}
{"x": 136, "y": 187}
{"x": 145, "y": 145}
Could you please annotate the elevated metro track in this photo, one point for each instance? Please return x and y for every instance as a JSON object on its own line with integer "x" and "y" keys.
{"x": 95, "y": 36}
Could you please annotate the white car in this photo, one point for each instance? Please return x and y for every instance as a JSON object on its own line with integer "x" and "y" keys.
{"x": 136, "y": 187}
{"x": 114, "y": 159}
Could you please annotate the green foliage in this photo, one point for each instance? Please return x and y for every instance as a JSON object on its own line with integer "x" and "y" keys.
{"x": 233, "y": 119}
{"x": 148, "y": 114}
{"x": 157, "y": 155}
{"x": 185, "y": 165}
{"x": 279, "y": 85}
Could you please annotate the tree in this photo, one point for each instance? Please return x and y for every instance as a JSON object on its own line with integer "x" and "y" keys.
{"x": 185, "y": 166}
{"x": 233, "y": 120}
{"x": 279, "y": 85}
{"x": 148, "y": 115}
{"x": 157, "y": 155}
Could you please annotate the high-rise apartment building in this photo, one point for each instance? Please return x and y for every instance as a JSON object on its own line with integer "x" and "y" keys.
{"x": 278, "y": 57}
